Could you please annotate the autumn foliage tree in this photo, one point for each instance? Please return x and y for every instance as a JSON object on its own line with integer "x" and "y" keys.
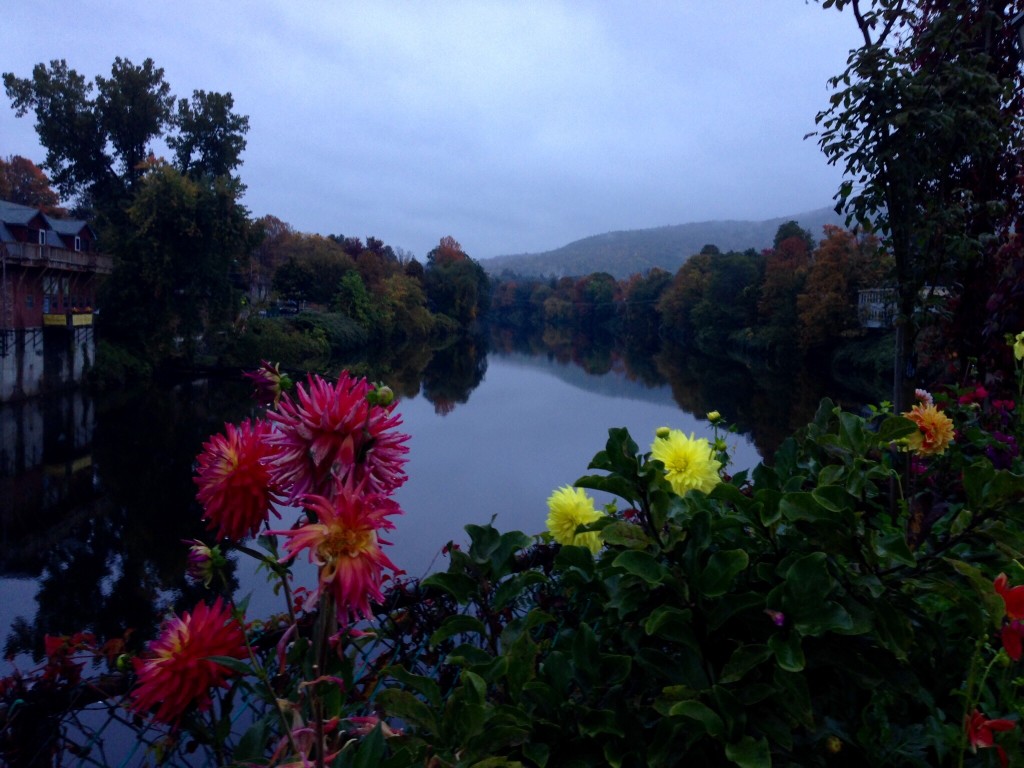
{"x": 23, "y": 182}
{"x": 843, "y": 265}
{"x": 456, "y": 285}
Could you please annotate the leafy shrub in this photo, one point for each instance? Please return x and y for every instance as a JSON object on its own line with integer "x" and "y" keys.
{"x": 814, "y": 613}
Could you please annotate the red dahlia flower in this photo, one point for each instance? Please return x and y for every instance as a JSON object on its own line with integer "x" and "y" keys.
{"x": 344, "y": 543}
{"x": 981, "y": 732}
{"x": 177, "y": 672}
{"x": 1013, "y": 597}
{"x": 236, "y": 486}
{"x": 330, "y": 433}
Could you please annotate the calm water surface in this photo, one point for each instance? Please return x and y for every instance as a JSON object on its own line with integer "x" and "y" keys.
{"x": 533, "y": 425}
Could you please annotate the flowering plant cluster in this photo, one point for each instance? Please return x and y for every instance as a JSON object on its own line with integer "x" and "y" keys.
{"x": 333, "y": 450}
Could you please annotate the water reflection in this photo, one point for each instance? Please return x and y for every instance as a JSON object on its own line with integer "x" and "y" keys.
{"x": 97, "y": 492}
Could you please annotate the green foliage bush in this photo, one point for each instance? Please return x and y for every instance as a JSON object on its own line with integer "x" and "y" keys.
{"x": 266, "y": 338}
{"x": 834, "y": 608}
{"x": 343, "y": 334}
{"x": 116, "y": 366}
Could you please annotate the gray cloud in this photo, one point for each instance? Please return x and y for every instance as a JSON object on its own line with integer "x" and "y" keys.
{"x": 512, "y": 126}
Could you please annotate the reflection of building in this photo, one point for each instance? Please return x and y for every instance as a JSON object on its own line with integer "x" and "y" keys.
{"x": 45, "y": 471}
{"x": 49, "y": 269}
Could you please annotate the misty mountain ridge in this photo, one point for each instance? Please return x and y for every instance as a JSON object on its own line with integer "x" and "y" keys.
{"x": 624, "y": 253}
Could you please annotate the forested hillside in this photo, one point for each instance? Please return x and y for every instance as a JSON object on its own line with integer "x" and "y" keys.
{"x": 625, "y": 253}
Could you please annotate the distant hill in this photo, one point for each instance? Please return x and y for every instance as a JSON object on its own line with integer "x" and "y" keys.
{"x": 621, "y": 254}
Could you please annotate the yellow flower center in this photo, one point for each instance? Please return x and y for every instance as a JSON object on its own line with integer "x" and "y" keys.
{"x": 346, "y": 542}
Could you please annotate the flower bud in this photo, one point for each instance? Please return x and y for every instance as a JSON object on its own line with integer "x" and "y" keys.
{"x": 662, "y": 432}
{"x": 714, "y": 417}
{"x": 203, "y": 561}
{"x": 381, "y": 395}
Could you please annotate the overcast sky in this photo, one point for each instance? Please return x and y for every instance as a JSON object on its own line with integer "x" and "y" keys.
{"x": 513, "y": 126}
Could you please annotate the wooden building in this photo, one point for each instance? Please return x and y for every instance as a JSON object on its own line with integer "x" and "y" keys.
{"x": 49, "y": 275}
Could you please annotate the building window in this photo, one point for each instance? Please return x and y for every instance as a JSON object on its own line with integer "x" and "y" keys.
{"x": 30, "y": 300}
{"x": 78, "y": 243}
{"x": 42, "y": 237}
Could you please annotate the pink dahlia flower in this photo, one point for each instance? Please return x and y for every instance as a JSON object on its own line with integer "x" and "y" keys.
{"x": 328, "y": 434}
{"x": 178, "y": 672}
{"x": 236, "y": 485}
{"x": 345, "y": 545}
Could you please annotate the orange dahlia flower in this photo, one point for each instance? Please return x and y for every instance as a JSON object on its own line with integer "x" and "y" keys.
{"x": 236, "y": 485}
{"x": 331, "y": 433}
{"x": 935, "y": 430}
{"x": 344, "y": 543}
{"x": 177, "y": 672}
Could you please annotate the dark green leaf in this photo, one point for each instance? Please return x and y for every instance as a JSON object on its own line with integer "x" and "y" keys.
{"x": 749, "y": 753}
{"x": 744, "y": 659}
{"x": 720, "y": 571}
{"x": 787, "y": 650}
{"x": 457, "y": 625}
{"x": 641, "y": 564}
{"x": 623, "y": 534}
{"x": 702, "y": 713}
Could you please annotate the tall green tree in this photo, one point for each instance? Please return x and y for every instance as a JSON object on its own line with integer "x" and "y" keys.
{"x": 178, "y": 264}
{"x": 926, "y": 123}
{"x": 96, "y": 134}
{"x": 456, "y": 285}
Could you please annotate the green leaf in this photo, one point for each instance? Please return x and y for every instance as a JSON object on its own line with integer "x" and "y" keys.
{"x": 425, "y": 686}
{"x": 457, "y": 625}
{"x": 833, "y": 498}
{"x": 720, "y": 571}
{"x": 801, "y": 505}
{"x": 669, "y": 622}
{"x": 787, "y": 650}
{"x": 613, "y": 484}
{"x": 828, "y": 617}
{"x": 623, "y": 534}
{"x": 575, "y": 558}
{"x": 808, "y": 583}
{"x": 402, "y": 704}
{"x": 371, "y": 749}
{"x": 892, "y": 547}
{"x": 641, "y": 564}
{"x": 458, "y": 585}
{"x": 253, "y": 743}
{"x": 749, "y": 753}
{"x": 744, "y": 659}
{"x": 702, "y": 713}
{"x": 895, "y": 427}
{"x": 598, "y": 721}
{"x": 513, "y": 587}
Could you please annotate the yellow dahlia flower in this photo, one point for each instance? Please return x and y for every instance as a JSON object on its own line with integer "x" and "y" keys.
{"x": 689, "y": 461}
{"x": 568, "y": 508}
{"x": 935, "y": 430}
